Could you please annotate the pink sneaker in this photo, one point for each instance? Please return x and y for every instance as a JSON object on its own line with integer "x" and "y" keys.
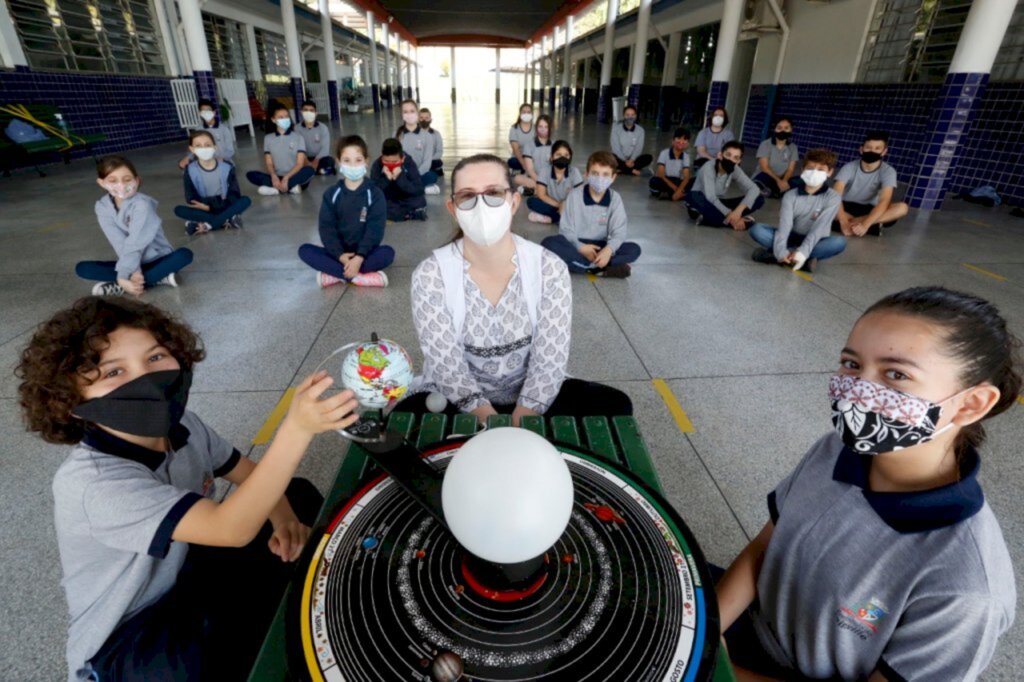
{"x": 535, "y": 217}
{"x": 370, "y": 279}
{"x": 325, "y": 280}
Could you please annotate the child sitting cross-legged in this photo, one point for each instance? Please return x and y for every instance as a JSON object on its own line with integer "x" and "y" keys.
{"x": 211, "y": 189}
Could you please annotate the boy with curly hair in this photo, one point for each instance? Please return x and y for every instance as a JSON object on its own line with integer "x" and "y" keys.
{"x": 162, "y": 580}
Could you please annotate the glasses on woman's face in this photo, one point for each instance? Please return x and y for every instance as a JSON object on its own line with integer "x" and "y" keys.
{"x": 466, "y": 199}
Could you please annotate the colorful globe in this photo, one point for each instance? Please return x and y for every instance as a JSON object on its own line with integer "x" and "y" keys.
{"x": 378, "y": 372}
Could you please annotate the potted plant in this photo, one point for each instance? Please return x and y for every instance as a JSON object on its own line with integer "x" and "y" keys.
{"x": 352, "y": 97}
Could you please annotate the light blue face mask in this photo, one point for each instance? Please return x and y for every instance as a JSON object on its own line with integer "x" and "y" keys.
{"x": 353, "y": 173}
{"x": 283, "y": 123}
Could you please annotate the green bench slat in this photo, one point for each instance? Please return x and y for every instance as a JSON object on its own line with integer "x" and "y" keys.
{"x": 432, "y": 429}
{"x": 634, "y": 450}
{"x": 465, "y": 424}
{"x": 563, "y": 430}
{"x": 496, "y": 421}
{"x": 599, "y": 438}
{"x": 402, "y": 422}
{"x": 535, "y": 424}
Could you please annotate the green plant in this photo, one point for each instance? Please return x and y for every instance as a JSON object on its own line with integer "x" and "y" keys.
{"x": 352, "y": 95}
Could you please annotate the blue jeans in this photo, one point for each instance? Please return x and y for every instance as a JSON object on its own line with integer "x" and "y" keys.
{"x": 153, "y": 271}
{"x": 712, "y": 216}
{"x": 825, "y": 248}
{"x": 768, "y": 181}
{"x": 544, "y": 208}
{"x": 564, "y": 249}
{"x": 317, "y": 258}
{"x": 215, "y": 220}
{"x": 263, "y": 179}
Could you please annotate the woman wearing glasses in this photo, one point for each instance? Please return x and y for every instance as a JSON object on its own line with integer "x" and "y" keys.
{"x": 494, "y": 314}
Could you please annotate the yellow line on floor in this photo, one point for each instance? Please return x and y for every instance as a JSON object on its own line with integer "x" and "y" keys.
{"x": 682, "y": 421}
{"x": 1020, "y": 399}
{"x": 803, "y": 275}
{"x": 52, "y": 227}
{"x": 984, "y": 272}
{"x": 977, "y": 222}
{"x": 592, "y": 277}
{"x": 266, "y": 431}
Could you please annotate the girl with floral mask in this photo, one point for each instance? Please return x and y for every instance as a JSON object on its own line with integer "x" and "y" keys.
{"x": 214, "y": 200}
{"x": 882, "y": 560}
{"x": 493, "y": 313}
{"x": 130, "y": 223}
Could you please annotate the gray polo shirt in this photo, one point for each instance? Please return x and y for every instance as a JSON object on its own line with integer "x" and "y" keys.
{"x": 584, "y": 218}
{"x": 863, "y": 187}
{"x": 918, "y": 585}
{"x": 135, "y": 231}
{"x": 673, "y": 165}
{"x": 627, "y": 144}
{"x": 438, "y": 143}
{"x": 523, "y": 137}
{"x": 418, "y": 145}
{"x": 714, "y": 185}
{"x": 540, "y": 153}
{"x": 712, "y": 141}
{"x": 806, "y": 214}
{"x": 778, "y": 159}
{"x": 116, "y": 506}
{"x": 317, "y": 139}
{"x": 559, "y": 189}
{"x": 224, "y": 138}
{"x": 284, "y": 149}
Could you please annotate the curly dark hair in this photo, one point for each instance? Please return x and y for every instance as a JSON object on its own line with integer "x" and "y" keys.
{"x": 66, "y": 349}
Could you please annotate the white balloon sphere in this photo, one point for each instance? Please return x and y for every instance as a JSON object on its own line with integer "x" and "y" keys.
{"x": 436, "y": 402}
{"x": 507, "y": 495}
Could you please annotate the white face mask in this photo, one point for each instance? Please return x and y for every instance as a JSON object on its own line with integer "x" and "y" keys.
{"x": 526, "y": 118}
{"x": 206, "y": 115}
{"x": 483, "y": 224}
{"x": 411, "y": 119}
{"x": 814, "y": 178}
{"x": 308, "y": 116}
{"x": 204, "y": 153}
{"x": 717, "y": 121}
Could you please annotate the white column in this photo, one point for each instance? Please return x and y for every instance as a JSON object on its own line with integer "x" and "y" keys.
{"x": 195, "y": 35}
{"x": 668, "y": 72}
{"x": 291, "y": 38}
{"x": 643, "y": 21}
{"x": 416, "y": 69}
{"x": 167, "y": 38}
{"x": 398, "y": 67}
{"x": 497, "y": 75}
{"x": 728, "y": 32}
{"x": 386, "y": 41}
{"x": 983, "y": 33}
{"x": 254, "y": 53}
{"x": 568, "y": 59}
{"x": 452, "y": 71}
{"x": 609, "y": 43}
{"x": 374, "y": 75}
{"x": 327, "y": 28}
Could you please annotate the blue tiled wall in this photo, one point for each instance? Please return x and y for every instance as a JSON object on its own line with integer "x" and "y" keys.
{"x": 132, "y": 111}
{"x": 836, "y": 115}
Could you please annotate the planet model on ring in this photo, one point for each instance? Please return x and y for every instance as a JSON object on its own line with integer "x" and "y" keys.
{"x": 507, "y": 496}
{"x": 447, "y": 667}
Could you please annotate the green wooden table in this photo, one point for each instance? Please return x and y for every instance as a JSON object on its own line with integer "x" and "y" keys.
{"x": 619, "y": 442}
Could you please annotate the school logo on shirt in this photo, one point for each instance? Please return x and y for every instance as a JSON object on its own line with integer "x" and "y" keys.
{"x": 603, "y": 218}
{"x": 864, "y": 619}
{"x": 207, "y": 484}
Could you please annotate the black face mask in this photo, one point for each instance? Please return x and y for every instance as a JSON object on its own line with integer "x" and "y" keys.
{"x": 870, "y": 157}
{"x": 425, "y": 124}
{"x": 727, "y": 165}
{"x": 148, "y": 406}
{"x": 561, "y": 162}
{"x": 783, "y": 135}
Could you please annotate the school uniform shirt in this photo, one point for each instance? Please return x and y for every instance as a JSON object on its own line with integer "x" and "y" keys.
{"x": 584, "y": 218}
{"x": 224, "y": 138}
{"x": 918, "y": 585}
{"x": 863, "y": 187}
{"x": 807, "y": 214}
{"x": 540, "y": 152}
{"x": 498, "y": 358}
{"x": 406, "y": 192}
{"x": 559, "y": 189}
{"x": 627, "y": 143}
{"x": 438, "y": 143}
{"x": 418, "y": 144}
{"x": 284, "y": 149}
{"x": 217, "y": 188}
{"x": 134, "y": 230}
{"x": 673, "y": 164}
{"x": 317, "y": 139}
{"x": 714, "y": 185}
{"x": 352, "y": 220}
{"x": 712, "y": 141}
{"x": 116, "y": 506}
{"x": 778, "y": 159}
{"x": 523, "y": 137}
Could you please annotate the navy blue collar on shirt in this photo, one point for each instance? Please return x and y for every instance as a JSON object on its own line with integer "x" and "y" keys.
{"x": 316, "y": 124}
{"x": 919, "y": 511}
{"x": 628, "y": 129}
{"x": 672, "y": 154}
{"x": 606, "y": 200}
{"x": 287, "y": 132}
{"x": 98, "y": 439}
{"x": 537, "y": 142}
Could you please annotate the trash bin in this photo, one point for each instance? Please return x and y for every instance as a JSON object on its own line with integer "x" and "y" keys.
{"x": 618, "y": 106}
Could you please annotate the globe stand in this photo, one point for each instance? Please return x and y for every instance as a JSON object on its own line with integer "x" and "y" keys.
{"x": 366, "y": 430}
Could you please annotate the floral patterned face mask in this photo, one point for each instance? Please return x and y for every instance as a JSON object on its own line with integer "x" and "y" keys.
{"x": 873, "y": 418}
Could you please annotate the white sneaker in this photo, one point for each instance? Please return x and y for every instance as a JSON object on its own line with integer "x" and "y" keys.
{"x": 267, "y": 191}
{"x": 169, "y": 281}
{"x": 431, "y": 189}
{"x": 107, "y": 289}
{"x": 297, "y": 189}
{"x": 371, "y": 279}
{"x": 325, "y": 280}
{"x": 535, "y": 217}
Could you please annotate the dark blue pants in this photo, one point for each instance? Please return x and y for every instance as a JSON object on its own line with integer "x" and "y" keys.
{"x": 768, "y": 181}
{"x": 263, "y": 179}
{"x": 564, "y": 249}
{"x": 639, "y": 163}
{"x": 153, "y": 271}
{"x": 825, "y": 248}
{"x": 437, "y": 166}
{"x": 429, "y": 178}
{"x": 317, "y": 258}
{"x": 712, "y": 216}
{"x": 214, "y": 220}
{"x": 513, "y": 164}
{"x": 211, "y": 624}
{"x": 544, "y": 208}
{"x": 657, "y": 185}
{"x": 327, "y": 165}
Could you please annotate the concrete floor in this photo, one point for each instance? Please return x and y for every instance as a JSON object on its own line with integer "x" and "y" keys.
{"x": 746, "y": 349}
